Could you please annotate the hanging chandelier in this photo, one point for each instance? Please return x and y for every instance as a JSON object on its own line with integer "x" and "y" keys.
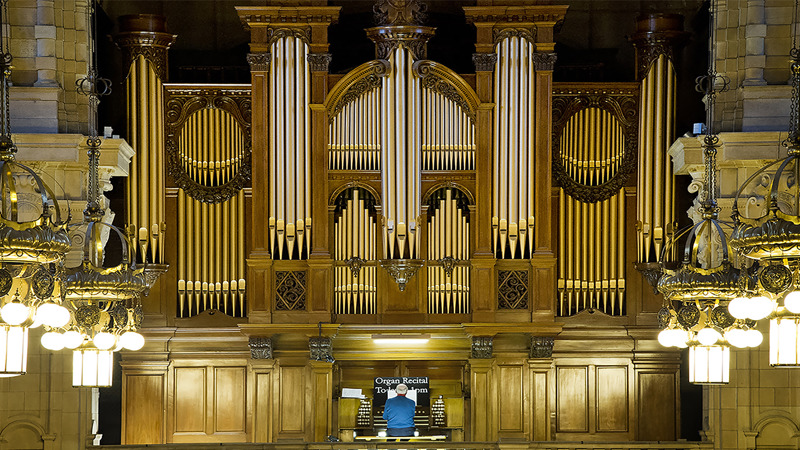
{"x": 33, "y": 240}
{"x": 706, "y": 281}
{"x": 105, "y": 300}
{"x": 773, "y": 239}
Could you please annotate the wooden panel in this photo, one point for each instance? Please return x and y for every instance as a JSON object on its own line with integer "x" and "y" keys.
{"x": 229, "y": 395}
{"x": 612, "y": 398}
{"x": 656, "y": 400}
{"x": 454, "y": 409}
{"x": 292, "y": 394}
{"x": 540, "y": 411}
{"x": 572, "y": 398}
{"x": 263, "y": 407}
{"x": 509, "y": 386}
{"x": 190, "y": 399}
{"x": 144, "y": 406}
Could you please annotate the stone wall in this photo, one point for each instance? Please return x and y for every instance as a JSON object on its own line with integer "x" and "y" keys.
{"x": 752, "y": 50}
{"x": 48, "y": 42}
{"x": 759, "y": 408}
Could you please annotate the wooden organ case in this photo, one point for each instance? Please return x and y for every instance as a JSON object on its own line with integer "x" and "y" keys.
{"x": 305, "y": 215}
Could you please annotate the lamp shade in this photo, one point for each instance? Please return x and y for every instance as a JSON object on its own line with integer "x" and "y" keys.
{"x": 92, "y": 367}
{"x": 709, "y": 364}
{"x": 13, "y": 350}
{"x": 784, "y": 341}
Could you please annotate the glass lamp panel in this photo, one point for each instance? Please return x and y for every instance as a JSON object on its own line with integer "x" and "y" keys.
{"x": 784, "y": 341}
{"x": 13, "y": 350}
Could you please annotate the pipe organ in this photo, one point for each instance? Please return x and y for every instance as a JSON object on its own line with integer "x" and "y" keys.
{"x": 289, "y": 148}
{"x": 448, "y": 244}
{"x": 403, "y": 164}
{"x": 208, "y": 155}
{"x": 594, "y": 151}
{"x": 354, "y": 230}
{"x": 514, "y": 139}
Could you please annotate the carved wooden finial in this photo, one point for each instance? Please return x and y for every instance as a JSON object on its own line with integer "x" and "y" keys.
{"x": 399, "y": 12}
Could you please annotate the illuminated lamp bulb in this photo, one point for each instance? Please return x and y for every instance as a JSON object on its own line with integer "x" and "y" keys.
{"x": 664, "y": 337}
{"x": 53, "y": 340}
{"x": 737, "y": 337}
{"x": 792, "y": 302}
{"x": 760, "y": 307}
{"x": 52, "y": 314}
{"x": 72, "y": 339}
{"x": 14, "y": 313}
{"x": 679, "y": 337}
{"x": 708, "y": 336}
{"x": 754, "y": 338}
{"x": 132, "y": 340}
{"x": 739, "y": 307}
{"x": 104, "y": 341}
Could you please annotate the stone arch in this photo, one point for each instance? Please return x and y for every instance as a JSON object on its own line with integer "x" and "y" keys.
{"x": 777, "y": 430}
{"x": 23, "y": 434}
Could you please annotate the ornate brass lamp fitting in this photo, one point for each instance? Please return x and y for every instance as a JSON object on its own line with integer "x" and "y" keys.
{"x": 402, "y": 270}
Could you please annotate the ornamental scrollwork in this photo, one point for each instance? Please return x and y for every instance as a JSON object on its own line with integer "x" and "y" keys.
{"x": 484, "y": 62}
{"x": 481, "y": 347}
{"x": 290, "y": 290}
{"x": 623, "y": 105}
{"x": 512, "y": 289}
{"x": 500, "y": 34}
{"x": 260, "y": 347}
{"x": 152, "y": 46}
{"x": 259, "y": 62}
{"x": 544, "y": 61}
{"x": 275, "y": 34}
{"x": 181, "y": 104}
{"x": 319, "y": 62}
{"x": 369, "y": 80}
{"x": 435, "y": 78}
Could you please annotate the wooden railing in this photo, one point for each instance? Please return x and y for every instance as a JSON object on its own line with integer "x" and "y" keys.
{"x": 643, "y": 445}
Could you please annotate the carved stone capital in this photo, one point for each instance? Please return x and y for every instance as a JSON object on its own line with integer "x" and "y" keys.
{"x": 542, "y": 346}
{"x": 259, "y": 62}
{"x": 260, "y": 347}
{"x": 481, "y": 347}
{"x": 318, "y": 62}
{"x": 484, "y": 62}
{"x": 544, "y": 61}
{"x": 320, "y": 349}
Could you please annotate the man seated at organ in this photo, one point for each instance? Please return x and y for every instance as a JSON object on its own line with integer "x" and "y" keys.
{"x": 399, "y": 413}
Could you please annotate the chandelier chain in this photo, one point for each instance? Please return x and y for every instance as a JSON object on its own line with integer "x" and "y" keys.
{"x": 94, "y": 87}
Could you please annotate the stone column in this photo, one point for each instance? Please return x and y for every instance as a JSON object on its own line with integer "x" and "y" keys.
{"x": 755, "y": 31}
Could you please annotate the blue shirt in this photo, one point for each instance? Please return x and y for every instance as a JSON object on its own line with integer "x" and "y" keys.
{"x": 399, "y": 412}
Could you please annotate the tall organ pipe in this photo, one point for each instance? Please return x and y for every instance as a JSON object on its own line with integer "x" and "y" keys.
{"x": 400, "y": 146}
{"x": 290, "y": 150}
{"x": 512, "y": 209}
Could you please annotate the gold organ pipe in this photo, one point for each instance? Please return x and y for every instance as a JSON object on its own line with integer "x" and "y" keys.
{"x": 669, "y": 212}
{"x": 660, "y": 152}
